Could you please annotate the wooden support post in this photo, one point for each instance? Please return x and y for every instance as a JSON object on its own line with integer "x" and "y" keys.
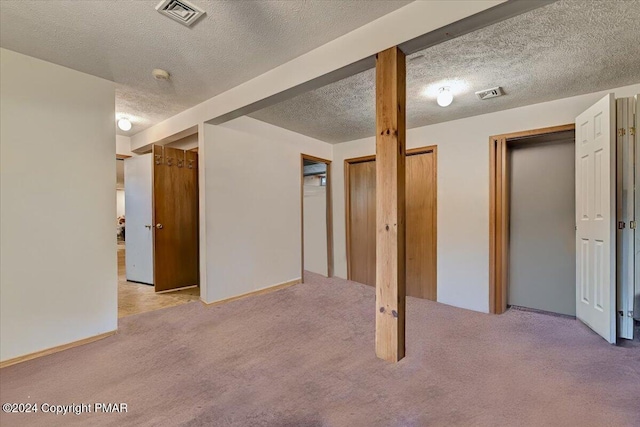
{"x": 390, "y": 203}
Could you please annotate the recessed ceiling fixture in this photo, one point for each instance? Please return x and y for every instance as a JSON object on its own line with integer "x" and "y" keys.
{"x": 160, "y": 74}
{"x": 489, "y": 93}
{"x": 124, "y": 124}
{"x": 445, "y": 97}
{"x": 180, "y": 11}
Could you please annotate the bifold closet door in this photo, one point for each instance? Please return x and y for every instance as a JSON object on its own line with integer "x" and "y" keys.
{"x": 626, "y": 234}
{"x": 421, "y": 226}
{"x": 421, "y": 190}
{"x": 362, "y": 227}
{"x": 596, "y": 218}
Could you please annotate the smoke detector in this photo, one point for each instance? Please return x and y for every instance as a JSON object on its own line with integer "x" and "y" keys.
{"x": 160, "y": 74}
{"x": 180, "y": 11}
{"x": 489, "y": 93}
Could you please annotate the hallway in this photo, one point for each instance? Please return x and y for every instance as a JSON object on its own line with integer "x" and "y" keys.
{"x": 135, "y": 298}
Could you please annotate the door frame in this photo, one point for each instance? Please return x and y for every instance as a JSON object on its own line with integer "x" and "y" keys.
{"x": 347, "y": 191}
{"x": 499, "y": 210}
{"x": 329, "y": 214}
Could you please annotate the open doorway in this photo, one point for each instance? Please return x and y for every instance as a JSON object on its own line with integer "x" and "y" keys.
{"x": 532, "y": 224}
{"x": 316, "y": 216}
{"x": 158, "y": 266}
{"x": 120, "y": 215}
{"x": 542, "y": 258}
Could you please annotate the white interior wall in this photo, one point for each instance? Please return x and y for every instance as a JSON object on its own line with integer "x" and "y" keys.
{"x": 315, "y": 228}
{"x": 202, "y": 214}
{"x": 252, "y": 194}
{"x": 123, "y": 146}
{"x": 186, "y": 143}
{"x": 120, "y": 205}
{"x": 57, "y": 246}
{"x": 463, "y": 189}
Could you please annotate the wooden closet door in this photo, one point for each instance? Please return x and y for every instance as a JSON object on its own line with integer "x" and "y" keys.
{"x": 421, "y": 237}
{"x": 421, "y": 226}
{"x": 362, "y": 229}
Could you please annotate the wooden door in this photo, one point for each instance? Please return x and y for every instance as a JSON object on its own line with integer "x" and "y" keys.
{"x": 175, "y": 212}
{"x": 421, "y": 243}
{"x": 362, "y": 224}
{"x": 421, "y": 225}
{"x": 595, "y": 218}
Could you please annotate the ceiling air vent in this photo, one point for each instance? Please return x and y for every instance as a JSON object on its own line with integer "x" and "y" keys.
{"x": 181, "y": 11}
{"x": 489, "y": 93}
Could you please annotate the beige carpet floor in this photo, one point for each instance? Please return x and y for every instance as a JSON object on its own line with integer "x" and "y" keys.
{"x": 304, "y": 356}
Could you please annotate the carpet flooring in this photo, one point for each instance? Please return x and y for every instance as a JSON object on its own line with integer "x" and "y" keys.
{"x": 304, "y": 356}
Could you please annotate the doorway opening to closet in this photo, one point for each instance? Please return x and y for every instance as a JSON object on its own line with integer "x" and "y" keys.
{"x": 562, "y": 219}
{"x": 532, "y": 220}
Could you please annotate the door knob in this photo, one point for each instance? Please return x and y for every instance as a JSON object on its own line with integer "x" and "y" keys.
{"x": 158, "y": 226}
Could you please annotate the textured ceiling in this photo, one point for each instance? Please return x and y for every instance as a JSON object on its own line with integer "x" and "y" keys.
{"x": 124, "y": 40}
{"x": 564, "y": 49}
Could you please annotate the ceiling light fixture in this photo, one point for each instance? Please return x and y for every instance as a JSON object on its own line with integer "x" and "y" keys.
{"x": 124, "y": 124}
{"x": 445, "y": 97}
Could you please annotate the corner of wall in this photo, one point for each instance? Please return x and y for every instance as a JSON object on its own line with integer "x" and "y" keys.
{"x": 123, "y": 146}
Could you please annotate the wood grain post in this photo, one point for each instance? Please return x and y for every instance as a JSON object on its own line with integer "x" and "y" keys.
{"x": 390, "y": 204}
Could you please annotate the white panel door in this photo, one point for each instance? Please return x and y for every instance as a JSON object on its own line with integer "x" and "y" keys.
{"x": 595, "y": 218}
{"x": 138, "y": 195}
{"x": 625, "y": 143}
{"x": 636, "y": 298}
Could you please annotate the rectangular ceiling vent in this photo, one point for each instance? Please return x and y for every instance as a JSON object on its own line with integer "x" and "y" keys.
{"x": 181, "y": 11}
{"x": 489, "y": 93}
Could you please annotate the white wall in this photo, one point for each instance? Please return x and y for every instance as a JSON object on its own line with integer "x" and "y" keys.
{"x": 57, "y": 248}
{"x": 123, "y": 145}
{"x": 186, "y": 143}
{"x": 252, "y": 196}
{"x": 463, "y": 189}
{"x": 120, "y": 203}
{"x": 315, "y": 228}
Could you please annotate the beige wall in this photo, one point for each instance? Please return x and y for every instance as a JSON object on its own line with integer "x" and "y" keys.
{"x": 542, "y": 219}
{"x": 463, "y": 190}
{"x": 252, "y": 197}
{"x": 57, "y": 240}
{"x": 186, "y": 143}
{"x": 123, "y": 145}
{"x": 315, "y": 227}
{"x": 120, "y": 209}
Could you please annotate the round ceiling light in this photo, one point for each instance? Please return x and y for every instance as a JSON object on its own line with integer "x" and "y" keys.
{"x": 124, "y": 124}
{"x": 445, "y": 97}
